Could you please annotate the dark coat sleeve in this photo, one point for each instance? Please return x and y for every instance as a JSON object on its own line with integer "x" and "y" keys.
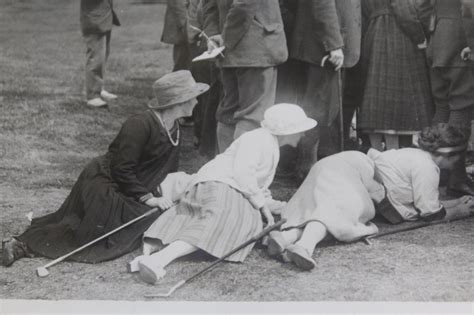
{"x": 174, "y": 29}
{"x": 210, "y": 13}
{"x": 97, "y": 16}
{"x": 406, "y": 13}
{"x": 238, "y": 20}
{"x": 130, "y": 145}
{"x": 329, "y": 31}
{"x": 468, "y": 22}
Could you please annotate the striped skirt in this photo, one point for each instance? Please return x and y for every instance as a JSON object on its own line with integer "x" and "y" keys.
{"x": 211, "y": 216}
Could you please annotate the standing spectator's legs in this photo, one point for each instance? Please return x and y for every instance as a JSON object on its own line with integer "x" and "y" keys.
{"x": 286, "y": 92}
{"x": 98, "y": 48}
{"x": 319, "y": 101}
{"x": 440, "y": 88}
{"x": 453, "y": 92}
{"x": 208, "y": 143}
{"x": 182, "y": 56}
{"x": 201, "y": 72}
{"x": 461, "y": 118}
{"x": 248, "y": 92}
{"x": 227, "y": 107}
{"x": 353, "y": 92}
{"x": 257, "y": 87}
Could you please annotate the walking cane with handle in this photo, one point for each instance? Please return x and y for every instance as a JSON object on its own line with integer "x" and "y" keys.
{"x": 264, "y": 232}
{"x": 340, "y": 103}
{"x": 43, "y": 270}
{"x": 419, "y": 225}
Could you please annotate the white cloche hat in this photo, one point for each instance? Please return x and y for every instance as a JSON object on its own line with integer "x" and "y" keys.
{"x": 286, "y": 119}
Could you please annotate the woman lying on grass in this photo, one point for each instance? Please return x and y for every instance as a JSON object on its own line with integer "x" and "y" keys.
{"x": 337, "y": 196}
{"x": 220, "y": 210}
{"x": 118, "y": 186}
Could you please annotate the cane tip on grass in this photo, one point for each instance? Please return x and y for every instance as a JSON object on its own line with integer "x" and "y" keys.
{"x": 42, "y": 272}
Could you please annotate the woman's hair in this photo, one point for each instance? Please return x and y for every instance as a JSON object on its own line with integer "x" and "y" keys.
{"x": 439, "y": 136}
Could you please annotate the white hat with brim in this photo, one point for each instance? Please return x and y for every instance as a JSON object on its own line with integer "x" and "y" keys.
{"x": 287, "y": 119}
{"x": 175, "y": 88}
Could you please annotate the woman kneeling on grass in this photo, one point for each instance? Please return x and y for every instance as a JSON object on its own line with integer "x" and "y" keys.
{"x": 118, "y": 186}
{"x": 338, "y": 194}
{"x": 220, "y": 210}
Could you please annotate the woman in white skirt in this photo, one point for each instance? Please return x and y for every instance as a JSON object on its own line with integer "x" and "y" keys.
{"x": 225, "y": 201}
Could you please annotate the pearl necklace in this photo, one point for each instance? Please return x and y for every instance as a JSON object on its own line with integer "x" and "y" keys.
{"x": 173, "y": 142}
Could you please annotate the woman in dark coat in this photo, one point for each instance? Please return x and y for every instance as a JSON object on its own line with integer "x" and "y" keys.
{"x": 396, "y": 94}
{"x": 118, "y": 186}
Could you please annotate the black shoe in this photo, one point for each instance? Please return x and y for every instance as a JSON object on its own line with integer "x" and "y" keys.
{"x": 460, "y": 190}
{"x": 12, "y": 250}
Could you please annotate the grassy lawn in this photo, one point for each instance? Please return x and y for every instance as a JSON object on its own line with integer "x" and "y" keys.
{"x": 48, "y": 135}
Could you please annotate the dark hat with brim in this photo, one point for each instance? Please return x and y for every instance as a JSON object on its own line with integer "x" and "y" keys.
{"x": 175, "y": 88}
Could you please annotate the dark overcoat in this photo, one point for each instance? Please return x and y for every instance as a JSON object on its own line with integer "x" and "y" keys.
{"x": 252, "y": 31}
{"x": 97, "y": 16}
{"x": 174, "y": 29}
{"x": 325, "y": 25}
{"x": 452, "y": 30}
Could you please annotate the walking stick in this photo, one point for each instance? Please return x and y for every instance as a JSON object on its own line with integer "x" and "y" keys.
{"x": 340, "y": 104}
{"x": 264, "y": 232}
{"x": 43, "y": 270}
{"x": 341, "y": 117}
{"x": 414, "y": 227}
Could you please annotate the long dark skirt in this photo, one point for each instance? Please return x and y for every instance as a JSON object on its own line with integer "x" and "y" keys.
{"x": 94, "y": 207}
{"x": 397, "y": 94}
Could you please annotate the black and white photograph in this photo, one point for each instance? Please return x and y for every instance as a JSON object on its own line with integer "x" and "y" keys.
{"x": 237, "y": 156}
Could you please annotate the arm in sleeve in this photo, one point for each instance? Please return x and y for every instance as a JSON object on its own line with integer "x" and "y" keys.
{"x": 406, "y": 15}
{"x": 177, "y": 9}
{"x": 328, "y": 31}
{"x": 210, "y": 14}
{"x": 468, "y": 21}
{"x": 246, "y": 160}
{"x": 238, "y": 20}
{"x": 425, "y": 182}
{"x": 130, "y": 142}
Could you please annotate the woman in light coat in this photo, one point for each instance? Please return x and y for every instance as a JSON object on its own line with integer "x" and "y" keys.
{"x": 338, "y": 196}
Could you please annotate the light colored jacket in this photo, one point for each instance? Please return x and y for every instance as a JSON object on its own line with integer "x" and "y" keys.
{"x": 248, "y": 165}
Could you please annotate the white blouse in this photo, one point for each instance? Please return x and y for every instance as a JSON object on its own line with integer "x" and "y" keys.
{"x": 248, "y": 165}
{"x": 411, "y": 178}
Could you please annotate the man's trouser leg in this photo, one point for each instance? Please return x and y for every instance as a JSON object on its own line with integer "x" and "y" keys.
{"x": 319, "y": 99}
{"x": 248, "y": 92}
{"x": 453, "y": 93}
{"x": 286, "y": 92}
{"x": 98, "y": 47}
{"x": 257, "y": 87}
{"x": 182, "y": 56}
{"x": 226, "y": 109}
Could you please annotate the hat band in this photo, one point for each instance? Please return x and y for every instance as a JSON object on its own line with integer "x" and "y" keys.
{"x": 282, "y": 127}
{"x": 446, "y": 150}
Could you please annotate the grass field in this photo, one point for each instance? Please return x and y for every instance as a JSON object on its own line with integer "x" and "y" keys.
{"x": 47, "y": 136}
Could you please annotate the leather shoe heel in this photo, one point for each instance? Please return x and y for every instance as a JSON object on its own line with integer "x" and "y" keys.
{"x": 12, "y": 250}
{"x": 460, "y": 190}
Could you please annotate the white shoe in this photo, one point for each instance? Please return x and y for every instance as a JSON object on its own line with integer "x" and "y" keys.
{"x": 132, "y": 266}
{"x": 149, "y": 273}
{"x": 96, "y": 102}
{"x": 107, "y": 95}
